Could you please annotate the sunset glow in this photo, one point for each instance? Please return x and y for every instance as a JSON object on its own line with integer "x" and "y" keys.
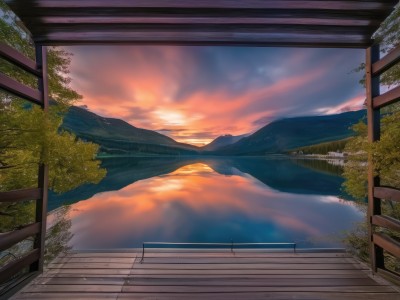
{"x": 167, "y": 208}
{"x": 195, "y": 94}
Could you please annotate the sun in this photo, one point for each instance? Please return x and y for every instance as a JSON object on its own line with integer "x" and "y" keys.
{"x": 171, "y": 118}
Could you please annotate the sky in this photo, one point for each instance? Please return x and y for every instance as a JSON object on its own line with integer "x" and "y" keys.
{"x": 195, "y": 94}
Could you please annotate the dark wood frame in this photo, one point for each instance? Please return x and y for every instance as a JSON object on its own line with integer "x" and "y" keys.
{"x": 312, "y": 23}
{"x": 34, "y": 258}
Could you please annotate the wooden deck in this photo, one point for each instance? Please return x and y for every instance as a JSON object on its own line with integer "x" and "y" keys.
{"x": 212, "y": 274}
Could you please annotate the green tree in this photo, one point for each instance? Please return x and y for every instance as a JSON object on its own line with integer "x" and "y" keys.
{"x": 385, "y": 153}
{"x": 30, "y": 136}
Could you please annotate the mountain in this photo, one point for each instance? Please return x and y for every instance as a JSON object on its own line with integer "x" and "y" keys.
{"x": 116, "y": 136}
{"x": 222, "y": 141}
{"x": 283, "y": 135}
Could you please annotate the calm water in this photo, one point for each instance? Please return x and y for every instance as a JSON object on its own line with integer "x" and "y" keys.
{"x": 208, "y": 200}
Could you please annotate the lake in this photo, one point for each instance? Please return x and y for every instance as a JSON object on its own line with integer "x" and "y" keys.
{"x": 207, "y": 199}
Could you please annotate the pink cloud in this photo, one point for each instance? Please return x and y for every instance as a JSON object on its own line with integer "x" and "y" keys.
{"x": 190, "y": 92}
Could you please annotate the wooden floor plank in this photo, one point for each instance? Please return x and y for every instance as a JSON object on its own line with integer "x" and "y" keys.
{"x": 90, "y": 271}
{"x": 359, "y": 275}
{"x": 250, "y": 289}
{"x": 314, "y": 282}
{"x": 201, "y": 289}
{"x": 83, "y": 281}
{"x": 241, "y": 260}
{"x": 120, "y": 260}
{"x": 101, "y": 265}
{"x": 210, "y": 281}
{"x": 70, "y": 296}
{"x": 210, "y": 296}
{"x": 95, "y": 288}
{"x": 198, "y": 272}
{"x": 103, "y": 254}
{"x": 205, "y": 254}
{"x": 230, "y": 271}
{"x": 211, "y": 260}
{"x": 262, "y": 296}
{"x": 221, "y": 266}
{"x": 273, "y": 266}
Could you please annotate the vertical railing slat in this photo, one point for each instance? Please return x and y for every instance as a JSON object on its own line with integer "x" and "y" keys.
{"x": 41, "y": 204}
{"x": 373, "y": 116}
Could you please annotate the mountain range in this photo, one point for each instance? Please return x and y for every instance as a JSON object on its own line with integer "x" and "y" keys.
{"x": 117, "y": 137}
{"x": 286, "y": 134}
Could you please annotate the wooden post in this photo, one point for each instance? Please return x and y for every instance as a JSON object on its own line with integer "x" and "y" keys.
{"x": 41, "y": 203}
{"x": 373, "y": 118}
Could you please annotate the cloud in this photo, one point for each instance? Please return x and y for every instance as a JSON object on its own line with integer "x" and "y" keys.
{"x": 171, "y": 130}
{"x": 214, "y": 90}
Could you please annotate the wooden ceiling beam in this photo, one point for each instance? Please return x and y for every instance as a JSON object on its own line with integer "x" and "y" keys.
{"x": 337, "y": 23}
{"x": 203, "y": 38}
{"x": 228, "y": 29}
{"x": 34, "y": 12}
{"x": 207, "y": 20}
{"x": 208, "y": 4}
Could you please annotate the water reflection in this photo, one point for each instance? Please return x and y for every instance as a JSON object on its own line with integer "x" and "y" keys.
{"x": 209, "y": 200}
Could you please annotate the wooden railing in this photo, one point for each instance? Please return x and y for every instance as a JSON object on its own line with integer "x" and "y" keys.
{"x": 379, "y": 241}
{"x": 231, "y": 246}
{"x": 34, "y": 258}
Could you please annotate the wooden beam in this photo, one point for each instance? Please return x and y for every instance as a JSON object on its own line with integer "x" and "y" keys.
{"x": 14, "y": 87}
{"x": 387, "y": 193}
{"x": 36, "y": 16}
{"x": 55, "y": 22}
{"x": 43, "y": 176}
{"x": 20, "y": 195}
{"x": 388, "y": 61}
{"x": 386, "y": 242}
{"x": 15, "y": 266}
{"x": 387, "y": 98}
{"x": 203, "y": 38}
{"x": 386, "y": 222}
{"x": 373, "y": 118}
{"x": 223, "y": 4}
{"x": 208, "y": 28}
{"x": 13, "y": 56}
{"x": 240, "y": 20}
{"x": 9, "y": 239}
{"x": 390, "y": 276}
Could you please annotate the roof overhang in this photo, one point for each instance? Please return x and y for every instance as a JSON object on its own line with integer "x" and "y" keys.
{"x": 313, "y": 23}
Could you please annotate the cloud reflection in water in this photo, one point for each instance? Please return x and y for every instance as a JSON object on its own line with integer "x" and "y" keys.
{"x": 197, "y": 204}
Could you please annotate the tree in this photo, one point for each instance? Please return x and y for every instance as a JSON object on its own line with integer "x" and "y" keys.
{"x": 30, "y": 137}
{"x": 385, "y": 153}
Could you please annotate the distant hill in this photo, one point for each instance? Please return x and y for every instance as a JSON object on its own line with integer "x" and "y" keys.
{"x": 222, "y": 141}
{"x": 116, "y": 136}
{"x": 283, "y": 135}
